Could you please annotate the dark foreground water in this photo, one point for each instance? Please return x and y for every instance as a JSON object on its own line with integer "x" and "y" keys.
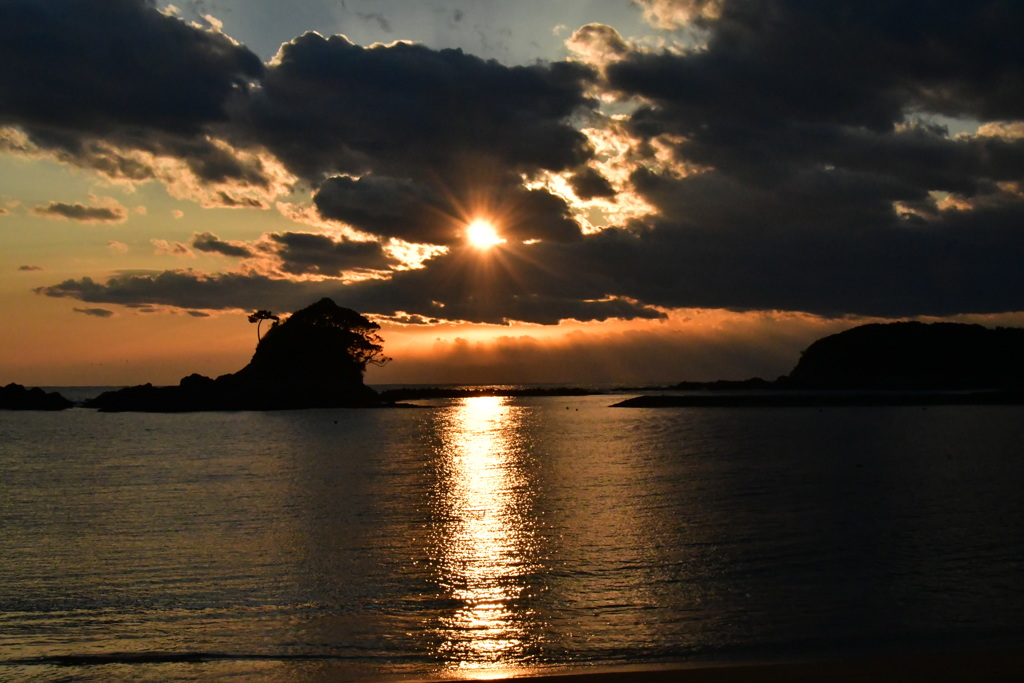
{"x": 501, "y": 536}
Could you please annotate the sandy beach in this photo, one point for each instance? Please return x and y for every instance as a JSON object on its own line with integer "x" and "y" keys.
{"x": 978, "y": 666}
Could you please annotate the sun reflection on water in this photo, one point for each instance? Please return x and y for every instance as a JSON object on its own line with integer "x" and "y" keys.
{"x": 485, "y": 538}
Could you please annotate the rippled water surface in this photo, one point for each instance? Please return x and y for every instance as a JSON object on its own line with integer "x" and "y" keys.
{"x": 488, "y": 536}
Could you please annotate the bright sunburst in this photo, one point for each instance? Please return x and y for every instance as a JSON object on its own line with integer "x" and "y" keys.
{"x": 482, "y": 234}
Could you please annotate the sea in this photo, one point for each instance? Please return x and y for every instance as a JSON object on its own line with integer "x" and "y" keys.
{"x": 493, "y": 536}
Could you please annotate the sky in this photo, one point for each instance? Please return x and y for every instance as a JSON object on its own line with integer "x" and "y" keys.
{"x": 678, "y": 189}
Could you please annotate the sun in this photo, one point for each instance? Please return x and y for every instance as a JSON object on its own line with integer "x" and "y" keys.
{"x": 481, "y": 234}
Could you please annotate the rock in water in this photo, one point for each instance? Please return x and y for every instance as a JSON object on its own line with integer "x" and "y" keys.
{"x": 314, "y": 359}
{"x": 17, "y": 397}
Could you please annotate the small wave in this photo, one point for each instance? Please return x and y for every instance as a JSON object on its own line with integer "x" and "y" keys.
{"x": 100, "y": 659}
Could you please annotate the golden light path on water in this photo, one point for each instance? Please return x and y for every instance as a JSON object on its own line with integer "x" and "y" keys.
{"x": 487, "y": 539}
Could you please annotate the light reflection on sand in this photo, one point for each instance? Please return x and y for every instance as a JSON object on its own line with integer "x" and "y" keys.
{"x": 486, "y": 539}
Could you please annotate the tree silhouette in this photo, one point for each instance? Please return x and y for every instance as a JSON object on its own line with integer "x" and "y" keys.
{"x": 258, "y": 317}
{"x": 331, "y": 328}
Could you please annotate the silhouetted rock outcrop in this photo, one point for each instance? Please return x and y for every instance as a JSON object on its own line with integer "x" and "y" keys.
{"x": 17, "y": 397}
{"x": 315, "y": 359}
{"x": 906, "y": 363}
{"x": 913, "y": 356}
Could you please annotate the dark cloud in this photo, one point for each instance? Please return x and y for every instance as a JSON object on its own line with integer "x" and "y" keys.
{"x": 114, "y": 65}
{"x": 82, "y": 212}
{"x": 801, "y": 179}
{"x": 389, "y": 207}
{"x": 198, "y": 314}
{"x": 328, "y": 106}
{"x": 303, "y": 253}
{"x": 210, "y": 243}
{"x": 29, "y": 268}
{"x": 719, "y": 244}
{"x": 94, "y": 80}
{"x": 539, "y": 215}
{"x": 588, "y": 184}
{"x": 780, "y": 78}
{"x": 191, "y": 290}
{"x": 95, "y": 312}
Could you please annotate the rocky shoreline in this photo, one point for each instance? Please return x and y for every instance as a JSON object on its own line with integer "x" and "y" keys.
{"x": 297, "y": 366}
{"x": 17, "y": 397}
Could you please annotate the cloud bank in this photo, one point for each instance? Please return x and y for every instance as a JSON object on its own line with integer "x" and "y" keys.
{"x": 801, "y": 159}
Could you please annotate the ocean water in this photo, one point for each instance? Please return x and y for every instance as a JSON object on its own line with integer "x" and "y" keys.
{"x": 493, "y": 536}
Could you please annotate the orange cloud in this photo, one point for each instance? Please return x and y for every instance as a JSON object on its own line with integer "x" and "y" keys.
{"x": 673, "y": 14}
{"x": 172, "y": 248}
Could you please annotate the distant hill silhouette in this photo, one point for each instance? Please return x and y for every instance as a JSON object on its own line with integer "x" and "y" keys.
{"x": 17, "y": 397}
{"x": 315, "y": 359}
{"x": 913, "y": 356}
{"x": 887, "y": 364}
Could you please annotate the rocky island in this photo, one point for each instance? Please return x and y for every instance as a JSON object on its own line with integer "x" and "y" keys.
{"x": 903, "y": 363}
{"x": 316, "y": 358}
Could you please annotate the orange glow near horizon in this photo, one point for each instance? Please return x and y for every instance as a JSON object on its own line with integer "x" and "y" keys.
{"x": 691, "y": 344}
{"x": 57, "y": 346}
